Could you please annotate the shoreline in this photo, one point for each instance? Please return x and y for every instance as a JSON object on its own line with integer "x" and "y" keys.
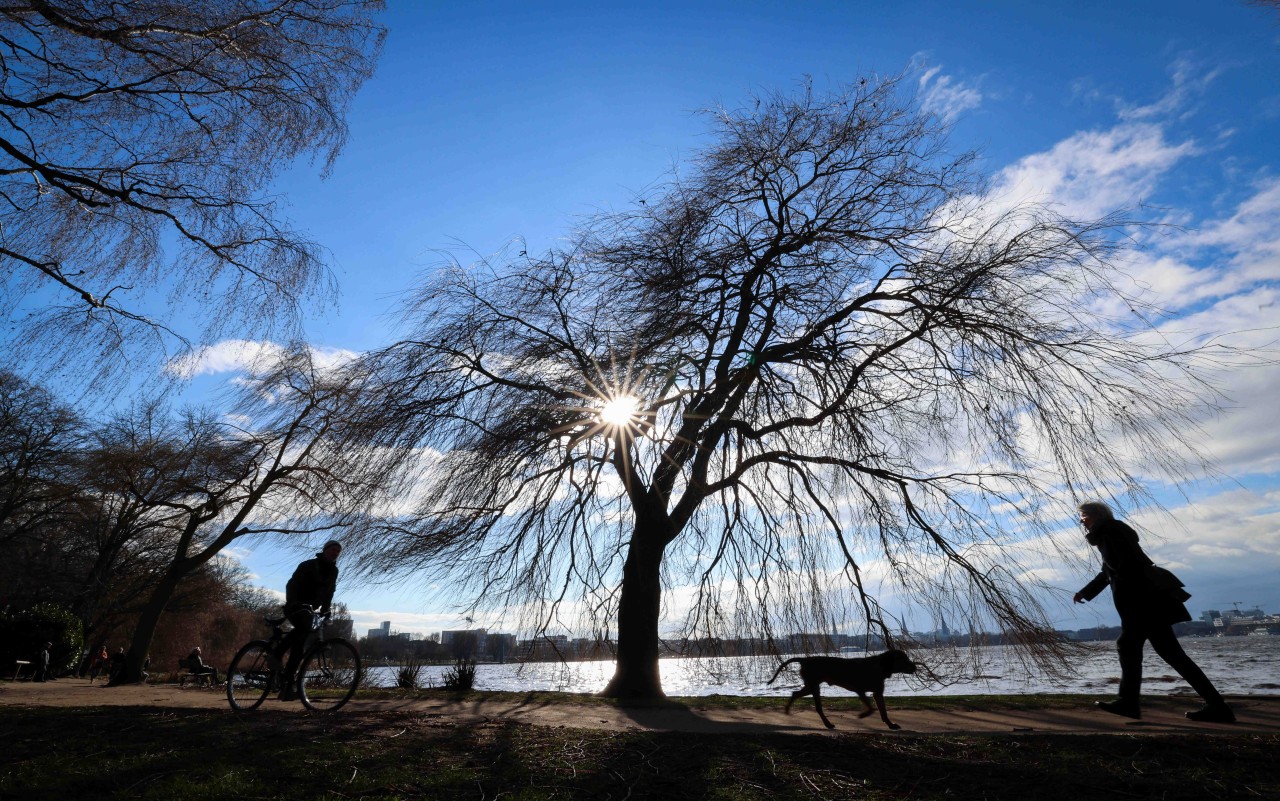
{"x": 1237, "y": 665}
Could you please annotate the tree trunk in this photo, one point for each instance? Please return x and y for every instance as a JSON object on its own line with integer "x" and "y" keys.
{"x": 148, "y": 619}
{"x": 639, "y": 605}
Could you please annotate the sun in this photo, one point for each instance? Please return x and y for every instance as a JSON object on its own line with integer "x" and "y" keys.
{"x": 620, "y": 411}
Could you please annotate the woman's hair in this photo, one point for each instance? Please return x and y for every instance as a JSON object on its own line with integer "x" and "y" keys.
{"x": 1097, "y": 509}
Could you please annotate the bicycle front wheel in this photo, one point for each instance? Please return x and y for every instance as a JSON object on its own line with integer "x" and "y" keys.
{"x": 251, "y": 677}
{"x": 329, "y": 675}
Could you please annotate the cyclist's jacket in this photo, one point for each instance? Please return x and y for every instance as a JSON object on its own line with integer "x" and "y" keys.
{"x": 312, "y": 583}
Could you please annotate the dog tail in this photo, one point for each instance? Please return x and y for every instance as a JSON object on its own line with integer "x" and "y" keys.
{"x": 778, "y": 672}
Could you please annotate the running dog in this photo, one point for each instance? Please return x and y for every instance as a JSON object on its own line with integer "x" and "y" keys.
{"x": 862, "y": 676}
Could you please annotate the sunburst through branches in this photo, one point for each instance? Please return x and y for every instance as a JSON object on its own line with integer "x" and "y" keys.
{"x": 620, "y": 411}
{"x": 611, "y": 405}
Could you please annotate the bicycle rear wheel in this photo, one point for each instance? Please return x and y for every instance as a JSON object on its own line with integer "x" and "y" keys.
{"x": 251, "y": 677}
{"x": 329, "y": 675}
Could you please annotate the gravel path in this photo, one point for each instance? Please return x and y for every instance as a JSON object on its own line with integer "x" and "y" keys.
{"x": 1162, "y": 715}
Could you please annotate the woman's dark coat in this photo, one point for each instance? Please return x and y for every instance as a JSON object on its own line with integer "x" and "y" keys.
{"x": 1124, "y": 567}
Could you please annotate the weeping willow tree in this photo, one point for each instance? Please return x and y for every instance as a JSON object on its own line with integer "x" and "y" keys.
{"x": 815, "y": 378}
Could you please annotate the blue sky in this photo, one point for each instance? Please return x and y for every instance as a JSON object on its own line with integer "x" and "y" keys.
{"x": 492, "y": 123}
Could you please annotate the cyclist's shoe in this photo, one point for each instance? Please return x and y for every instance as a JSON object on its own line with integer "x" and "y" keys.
{"x": 288, "y": 694}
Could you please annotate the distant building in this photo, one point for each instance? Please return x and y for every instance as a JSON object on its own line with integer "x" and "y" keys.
{"x": 500, "y": 647}
{"x": 464, "y": 643}
{"x": 550, "y": 646}
{"x": 450, "y": 637}
{"x": 382, "y": 632}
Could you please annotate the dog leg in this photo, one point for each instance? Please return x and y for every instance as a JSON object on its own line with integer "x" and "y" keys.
{"x": 792, "y": 700}
{"x": 817, "y": 702}
{"x": 799, "y": 694}
{"x": 883, "y": 714}
{"x": 867, "y": 703}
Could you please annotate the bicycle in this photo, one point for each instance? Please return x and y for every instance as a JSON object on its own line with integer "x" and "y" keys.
{"x": 327, "y": 675}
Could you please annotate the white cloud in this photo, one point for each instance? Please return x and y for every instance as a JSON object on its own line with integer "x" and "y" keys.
{"x": 1093, "y": 173}
{"x": 1188, "y": 83}
{"x": 945, "y": 96}
{"x": 1250, "y": 236}
{"x": 244, "y": 356}
{"x": 231, "y": 355}
{"x": 1234, "y": 524}
{"x": 1215, "y": 277}
{"x": 1242, "y": 436}
{"x": 1173, "y": 282}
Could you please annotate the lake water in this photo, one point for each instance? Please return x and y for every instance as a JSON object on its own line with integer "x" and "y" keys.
{"x": 1237, "y": 666}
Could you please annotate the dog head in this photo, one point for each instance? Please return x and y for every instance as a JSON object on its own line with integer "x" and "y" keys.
{"x": 896, "y": 661}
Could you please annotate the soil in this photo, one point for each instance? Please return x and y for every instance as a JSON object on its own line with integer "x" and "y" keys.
{"x": 1161, "y": 714}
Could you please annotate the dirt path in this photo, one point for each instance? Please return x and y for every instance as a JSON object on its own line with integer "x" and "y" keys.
{"x": 1161, "y": 715}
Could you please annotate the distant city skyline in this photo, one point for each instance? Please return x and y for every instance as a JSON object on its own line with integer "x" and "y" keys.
{"x": 1217, "y": 618}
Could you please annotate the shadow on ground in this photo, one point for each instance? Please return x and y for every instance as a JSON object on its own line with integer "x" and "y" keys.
{"x": 194, "y": 754}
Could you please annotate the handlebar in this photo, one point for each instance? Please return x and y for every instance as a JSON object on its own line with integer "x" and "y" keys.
{"x": 317, "y": 620}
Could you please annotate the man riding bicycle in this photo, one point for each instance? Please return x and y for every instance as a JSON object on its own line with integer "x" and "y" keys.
{"x": 309, "y": 590}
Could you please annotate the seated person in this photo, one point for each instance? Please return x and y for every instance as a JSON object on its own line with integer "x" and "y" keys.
{"x": 198, "y": 668}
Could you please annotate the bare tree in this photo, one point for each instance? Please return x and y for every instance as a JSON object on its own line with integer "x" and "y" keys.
{"x": 101, "y": 547}
{"x": 142, "y": 464}
{"x": 38, "y": 439}
{"x": 285, "y": 472}
{"x": 136, "y": 139}
{"x": 817, "y": 378}
{"x": 124, "y": 520}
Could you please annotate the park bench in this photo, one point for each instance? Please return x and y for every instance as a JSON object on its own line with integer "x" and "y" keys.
{"x": 19, "y": 664}
{"x": 201, "y": 679}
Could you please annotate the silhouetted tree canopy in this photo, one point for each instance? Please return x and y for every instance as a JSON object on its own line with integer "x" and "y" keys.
{"x": 136, "y": 140}
{"x": 124, "y": 519}
{"x": 38, "y": 440}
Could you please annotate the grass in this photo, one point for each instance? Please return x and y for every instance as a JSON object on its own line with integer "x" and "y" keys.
{"x": 148, "y": 753}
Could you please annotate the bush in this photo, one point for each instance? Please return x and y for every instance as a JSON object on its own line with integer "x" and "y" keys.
{"x": 409, "y": 675}
{"x": 462, "y": 676}
{"x": 24, "y": 633}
